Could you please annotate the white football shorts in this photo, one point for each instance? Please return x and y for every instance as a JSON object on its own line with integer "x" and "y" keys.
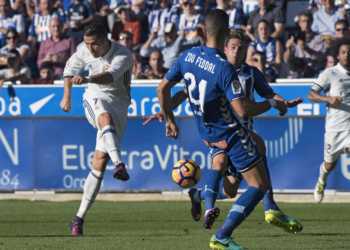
{"x": 335, "y": 144}
{"x": 94, "y": 106}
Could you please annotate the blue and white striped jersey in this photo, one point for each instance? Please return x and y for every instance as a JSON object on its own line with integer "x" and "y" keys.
{"x": 252, "y": 79}
{"x": 211, "y": 83}
{"x": 235, "y": 16}
{"x": 159, "y": 16}
{"x": 183, "y": 21}
{"x": 14, "y": 21}
{"x": 39, "y": 27}
{"x": 268, "y": 48}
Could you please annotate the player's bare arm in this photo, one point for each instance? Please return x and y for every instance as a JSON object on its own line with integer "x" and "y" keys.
{"x": 102, "y": 78}
{"x": 66, "y": 103}
{"x": 164, "y": 98}
{"x": 176, "y": 101}
{"x": 245, "y": 107}
{"x": 317, "y": 97}
{"x": 290, "y": 104}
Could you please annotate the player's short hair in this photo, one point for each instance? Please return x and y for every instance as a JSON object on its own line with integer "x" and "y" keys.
{"x": 264, "y": 21}
{"x": 307, "y": 14}
{"x": 296, "y": 63}
{"x": 95, "y": 29}
{"x": 342, "y": 21}
{"x": 46, "y": 65}
{"x": 216, "y": 23}
{"x": 334, "y": 51}
{"x": 236, "y": 34}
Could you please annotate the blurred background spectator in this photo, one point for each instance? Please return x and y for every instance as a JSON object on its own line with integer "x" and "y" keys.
{"x": 189, "y": 18}
{"x": 46, "y": 74}
{"x": 269, "y": 12}
{"x": 13, "y": 42}
{"x": 125, "y": 38}
{"x": 126, "y": 23}
{"x": 236, "y": 16}
{"x": 271, "y": 47}
{"x": 341, "y": 28}
{"x": 306, "y": 44}
{"x": 171, "y": 45}
{"x": 298, "y": 69}
{"x": 137, "y": 72}
{"x": 156, "y": 70}
{"x": 56, "y": 49}
{"x": 258, "y": 60}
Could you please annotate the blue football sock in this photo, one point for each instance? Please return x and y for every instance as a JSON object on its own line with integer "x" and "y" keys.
{"x": 244, "y": 205}
{"x": 212, "y": 189}
{"x": 268, "y": 200}
{"x": 221, "y": 196}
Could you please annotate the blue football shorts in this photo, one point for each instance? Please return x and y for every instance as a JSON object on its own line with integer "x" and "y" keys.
{"x": 242, "y": 151}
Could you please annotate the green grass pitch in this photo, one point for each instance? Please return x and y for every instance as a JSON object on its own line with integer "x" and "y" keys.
{"x": 163, "y": 225}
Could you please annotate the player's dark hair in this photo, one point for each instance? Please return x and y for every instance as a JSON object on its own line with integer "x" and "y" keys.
{"x": 202, "y": 21}
{"x": 236, "y": 34}
{"x": 95, "y": 29}
{"x": 342, "y": 21}
{"x": 264, "y": 21}
{"x": 334, "y": 51}
{"x": 307, "y": 14}
{"x": 46, "y": 65}
{"x": 296, "y": 63}
{"x": 216, "y": 23}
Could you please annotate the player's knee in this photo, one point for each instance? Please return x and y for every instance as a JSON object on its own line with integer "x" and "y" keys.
{"x": 229, "y": 193}
{"x": 105, "y": 119}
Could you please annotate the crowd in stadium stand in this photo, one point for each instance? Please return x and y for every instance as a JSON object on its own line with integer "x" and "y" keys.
{"x": 38, "y": 36}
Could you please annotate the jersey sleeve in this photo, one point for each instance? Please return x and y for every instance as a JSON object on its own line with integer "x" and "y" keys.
{"x": 260, "y": 84}
{"x": 229, "y": 83}
{"x": 120, "y": 64}
{"x": 174, "y": 74}
{"x": 73, "y": 64}
{"x": 322, "y": 83}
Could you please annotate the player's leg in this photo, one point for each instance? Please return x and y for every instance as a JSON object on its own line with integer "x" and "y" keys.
{"x": 273, "y": 214}
{"x": 91, "y": 188}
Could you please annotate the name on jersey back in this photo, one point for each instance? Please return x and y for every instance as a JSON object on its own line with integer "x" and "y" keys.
{"x": 200, "y": 62}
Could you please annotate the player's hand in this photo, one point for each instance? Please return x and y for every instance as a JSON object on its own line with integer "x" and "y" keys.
{"x": 171, "y": 129}
{"x": 78, "y": 80}
{"x": 159, "y": 116}
{"x": 66, "y": 104}
{"x": 289, "y": 43}
{"x": 282, "y": 107}
{"x": 335, "y": 100}
{"x": 294, "y": 103}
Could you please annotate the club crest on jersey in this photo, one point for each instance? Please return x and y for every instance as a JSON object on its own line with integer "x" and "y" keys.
{"x": 203, "y": 53}
{"x": 97, "y": 107}
{"x": 106, "y": 66}
{"x": 236, "y": 87}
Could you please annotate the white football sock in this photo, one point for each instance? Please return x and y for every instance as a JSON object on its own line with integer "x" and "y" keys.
{"x": 112, "y": 144}
{"x": 323, "y": 175}
{"x": 91, "y": 188}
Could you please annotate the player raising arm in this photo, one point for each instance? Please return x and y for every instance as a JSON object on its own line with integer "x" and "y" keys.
{"x": 252, "y": 80}
{"x": 106, "y": 102}
{"x": 335, "y": 83}
{"x": 212, "y": 86}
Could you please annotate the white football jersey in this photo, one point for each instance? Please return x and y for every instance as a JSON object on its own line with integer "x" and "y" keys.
{"x": 118, "y": 61}
{"x": 335, "y": 81}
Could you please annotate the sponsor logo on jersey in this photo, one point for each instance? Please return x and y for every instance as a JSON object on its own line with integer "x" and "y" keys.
{"x": 236, "y": 87}
{"x": 90, "y": 66}
{"x": 97, "y": 107}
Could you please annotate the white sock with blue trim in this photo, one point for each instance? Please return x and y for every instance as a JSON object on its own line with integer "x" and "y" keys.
{"x": 112, "y": 144}
{"x": 91, "y": 188}
{"x": 323, "y": 175}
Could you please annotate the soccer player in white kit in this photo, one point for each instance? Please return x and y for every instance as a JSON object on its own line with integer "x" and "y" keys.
{"x": 106, "y": 102}
{"x": 335, "y": 83}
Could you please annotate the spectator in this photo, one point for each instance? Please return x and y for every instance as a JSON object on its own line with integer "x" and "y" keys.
{"x": 269, "y": 12}
{"x": 10, "y": 19}
{"x": 125, "y": 38}
{"x": 164, "y": 11}
{"x": 331, "y": 61}
{"x": 271, "y": 47}
{"x": 46, "y": 74}
{"x": 341, "y": 28}
{"x": 79, "y": 14}
{"x": 306, "y": 44}
{"x": 189, "y": 19}
{"x": 39, "y": 30}
{"x": 16, "y": 70}
{"x": 126, "y": 23}
{"x": 13, "y": 42}
{"x": 171, "y": 45}
{"x": 103, "y": 16}
{"x": 156, "y": 70}
{"x": 56, "y": 49}
{"x": 137, "y": 72}
{"x": 298, "y": 69}
{"x": 258, "y": 60}
{"x": 325, "y": 18}
{"x": 236, "y": 16}
{"x": 314, "y": 4}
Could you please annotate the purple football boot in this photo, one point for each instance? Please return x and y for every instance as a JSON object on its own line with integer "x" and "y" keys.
{"x": 120, "y": 172}
{"x": 76, "y": 226}
{"x": 196, "y": 209}
{"x": 210, "y": 217}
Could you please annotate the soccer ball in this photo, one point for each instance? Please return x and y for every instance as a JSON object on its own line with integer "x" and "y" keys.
{"x": 186, "y": 173}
